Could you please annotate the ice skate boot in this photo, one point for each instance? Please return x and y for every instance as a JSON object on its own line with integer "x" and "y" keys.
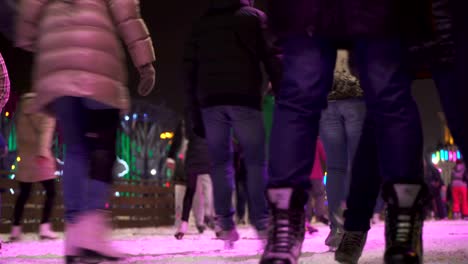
{"x": 404, "y": 223}
{"x": 287, "y": 231}
{"x": 46, "y": 233}
{"x": 95, "y": 232}
{"x": 310, "y": 229}
{"x": 181, "y": 231}
{"x": 350, "y": 249}
{"x": 16, "y": 233}
{"x": 229, "y": 237}
{"x": 333, "y": 239}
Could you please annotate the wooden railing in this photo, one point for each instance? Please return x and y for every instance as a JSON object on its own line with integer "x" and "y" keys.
{"x": 134, "y": 204}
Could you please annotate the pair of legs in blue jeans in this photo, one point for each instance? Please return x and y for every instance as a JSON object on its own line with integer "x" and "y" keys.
{"x": 340, "y": 132}
{"x": 246, "y": 125}
{"x": 309, "y": 64}
{"x": 89, "y": 131}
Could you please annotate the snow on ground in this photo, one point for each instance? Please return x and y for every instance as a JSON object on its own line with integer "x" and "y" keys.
{"x": 446, "y": 242}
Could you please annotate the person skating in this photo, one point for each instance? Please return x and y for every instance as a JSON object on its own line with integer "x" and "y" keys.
{"x": 223, "y": 60}
{"x": 80, "y": 76}
{"x": 310, "y": 33}
{"x": 316, "y": 204}
{"x": 340, "y": 130}
{"x": 197, "y": 166}
{"x": 437, "y": 55}
{"x": 34, "y": 138}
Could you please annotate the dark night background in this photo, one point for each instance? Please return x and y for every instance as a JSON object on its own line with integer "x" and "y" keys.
{"x": 169, "y": 23}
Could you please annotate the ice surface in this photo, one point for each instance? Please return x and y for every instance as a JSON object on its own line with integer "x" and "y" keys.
{"x": 445, "y": 242}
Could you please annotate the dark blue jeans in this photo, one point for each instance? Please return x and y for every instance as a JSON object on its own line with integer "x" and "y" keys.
{"x": 247, "y": 125}
{"x": 340, "y": 132}
{"x": 308, "y": 75}
{"x": 81, "y": 193}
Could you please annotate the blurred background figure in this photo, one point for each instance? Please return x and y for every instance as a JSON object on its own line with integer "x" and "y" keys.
{"x": 316, "y": 205}
{"x": 35, "y": 132}
{"x": 80, "y": 75}
{"x": 459, "y": 191}
{"x": 340, "y": 130}
{"x": 436, "y": 207}
{"x": 197, "y": 168}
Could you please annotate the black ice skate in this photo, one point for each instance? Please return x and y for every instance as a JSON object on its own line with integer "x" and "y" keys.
{"x": 229, "y": 237}
{"x": 287, "y": 228}
{"x": 350, "y": 249}
{"x": 404, "y": 223}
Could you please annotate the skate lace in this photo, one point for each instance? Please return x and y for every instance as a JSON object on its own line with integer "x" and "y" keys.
{"x": 285, "y": 231}
{"x": 402, "y": 227}
{"x": 351, "y": 240}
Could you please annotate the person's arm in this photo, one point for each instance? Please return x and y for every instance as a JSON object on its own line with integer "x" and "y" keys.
{"x": 133, "y": 30}
{"x": 4, "y": 84}
{"x": 46, "y": 125}
{"x": 27, "y": 23}
{"x": 270, "y": 53}
{"x": 135, "y": 34}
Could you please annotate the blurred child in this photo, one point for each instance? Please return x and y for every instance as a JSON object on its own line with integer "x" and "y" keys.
{"x": 459, "y": 191}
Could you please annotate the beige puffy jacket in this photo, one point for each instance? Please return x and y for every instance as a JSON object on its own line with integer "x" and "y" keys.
{"x": 34, "y": 135}
{"x": 78, "y": 48}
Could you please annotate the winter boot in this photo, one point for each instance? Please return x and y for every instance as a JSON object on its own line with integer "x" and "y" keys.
{"x": 404, "y": 223}
{"x": 181, "y": 231}
{"x": 350, "y": 249}
{"x": 95, "y": 229}
{"x": 46, "y": 233}
{"x": 229, "y": 237}
{"x": 15, "y": 234}
{"x": 287, "y": 228}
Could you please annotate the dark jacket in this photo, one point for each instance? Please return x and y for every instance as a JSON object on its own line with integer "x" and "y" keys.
{"x": 350, "y": 18}
{"x": 224, "y": 53}
{"x": 440, "y": 50}
{"x": 196, "y": 157}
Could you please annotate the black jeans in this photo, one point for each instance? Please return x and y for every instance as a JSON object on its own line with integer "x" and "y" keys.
{"x": 25, "y": 191}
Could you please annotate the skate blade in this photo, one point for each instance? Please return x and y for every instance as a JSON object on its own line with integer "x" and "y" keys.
{"x": 45, "y": 238}
{"x": 95, "y": 257}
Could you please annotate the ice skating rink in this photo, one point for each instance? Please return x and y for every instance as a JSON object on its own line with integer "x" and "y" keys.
{"x": 445, "y": 242}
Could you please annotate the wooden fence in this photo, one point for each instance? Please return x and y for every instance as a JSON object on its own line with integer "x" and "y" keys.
{"x": 134, "y": 204}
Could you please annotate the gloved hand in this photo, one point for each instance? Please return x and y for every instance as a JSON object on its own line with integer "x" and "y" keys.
{"x": 147, "y": 79}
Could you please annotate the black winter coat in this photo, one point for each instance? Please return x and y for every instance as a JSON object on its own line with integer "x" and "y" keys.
{"x": 224, "y": 54}
{"x": 196, "y": 159}
{"x": 440, "y": 50}
{"x": 350, "y": 18}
